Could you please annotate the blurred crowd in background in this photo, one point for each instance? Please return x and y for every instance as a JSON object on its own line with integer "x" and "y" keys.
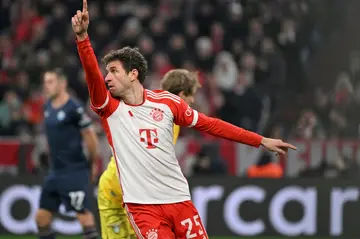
{"x": 252, "y": 57}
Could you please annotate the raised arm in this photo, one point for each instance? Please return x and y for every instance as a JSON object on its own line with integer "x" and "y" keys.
{"x": 99, "y": 95}
{"x": 96, "y": 85}
{"x": 184, "y": 115}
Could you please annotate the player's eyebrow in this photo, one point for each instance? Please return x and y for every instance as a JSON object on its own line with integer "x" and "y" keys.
{"x": 111, "y": 68}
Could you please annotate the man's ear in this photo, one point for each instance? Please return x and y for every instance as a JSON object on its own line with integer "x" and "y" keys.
{"x": 64, "y": 84}
{"x": 134, "y": 74}
{"x": 182, "y": 95}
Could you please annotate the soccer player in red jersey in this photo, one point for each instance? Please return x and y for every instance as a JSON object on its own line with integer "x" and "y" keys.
{"x": 139, "y": 127}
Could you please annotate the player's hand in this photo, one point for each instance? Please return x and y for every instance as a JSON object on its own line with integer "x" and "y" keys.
{"x": 276, "y": 145}
{"x": 80, "y": 22}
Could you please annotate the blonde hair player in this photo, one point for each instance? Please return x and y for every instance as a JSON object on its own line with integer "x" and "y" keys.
{"x": 113, "y": 216}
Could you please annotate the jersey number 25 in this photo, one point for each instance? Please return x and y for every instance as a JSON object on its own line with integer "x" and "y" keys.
{"x": 189, "y": 223}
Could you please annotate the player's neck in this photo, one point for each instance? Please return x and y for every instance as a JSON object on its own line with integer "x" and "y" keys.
{"x": 134, "y": 96}
{"x": 60, "y": 100}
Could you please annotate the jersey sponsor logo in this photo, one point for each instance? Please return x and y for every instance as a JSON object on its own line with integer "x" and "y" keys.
{"x": 80, "y": 110}
{"x": 157, "y": 114}
{"x": 152, "y": 234}
{"x": 116, "y": 228}
{"x": 84, "y": 118}
{"x": 149, "y": 137}
{"x": 61, "y": 115}
{"x": 188, "y": 111}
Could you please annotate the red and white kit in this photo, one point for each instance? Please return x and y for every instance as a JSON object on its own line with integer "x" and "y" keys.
{"x": 156, "y": 193}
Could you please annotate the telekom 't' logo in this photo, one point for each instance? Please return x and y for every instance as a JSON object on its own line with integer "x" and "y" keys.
{"x": 149, "y": 137}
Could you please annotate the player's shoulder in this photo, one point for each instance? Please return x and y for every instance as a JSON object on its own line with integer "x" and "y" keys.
{"x": 162, "y": 97}
{"x": 47, "y": 105}
{"x": 74, "y": 102}
{"x": 76, "y": 105}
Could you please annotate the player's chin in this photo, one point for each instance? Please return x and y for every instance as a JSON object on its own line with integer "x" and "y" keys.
{"x": 114, "y": 93}
{"x": 49, "y": 96}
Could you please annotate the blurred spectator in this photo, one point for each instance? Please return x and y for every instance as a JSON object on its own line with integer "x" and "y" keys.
{"x": 225, "y": 71}
{"x": 22, "y": 85}
{"x": 191, "y": 33}
{"x": 208, "y": 161}
{"x": 10, "y": 111}
{"x": 273, "y": 69}
{"x": 147, "y": 47}
{"x": 130, "y": 32}
{"x": 158, "y": 32}
{"x": 309, "y": 127}
{"x": 343, "y": 116}
{"x": 338, "y": 167}
{"x": 267, "y": 165}
{"x": 177, "y": 50}
{"x": 291, "y": 46}
{"x": 265, "y": 168}
{"x": 204, "y": 54}
{"x": 322, "y": 108}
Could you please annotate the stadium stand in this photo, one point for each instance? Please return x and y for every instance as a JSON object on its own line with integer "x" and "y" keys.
{"x": 252, "y": 56}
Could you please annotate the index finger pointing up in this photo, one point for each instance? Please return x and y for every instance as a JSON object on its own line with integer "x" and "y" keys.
{"x": 85, "y": 7}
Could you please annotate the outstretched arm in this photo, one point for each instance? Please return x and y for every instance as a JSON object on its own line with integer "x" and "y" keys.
{"x": 99, "y": 95}
{"x": 186, "y": 116}
{"x": 226, "y": 130}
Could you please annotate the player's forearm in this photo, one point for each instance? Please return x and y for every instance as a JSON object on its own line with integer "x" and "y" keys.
{"x": 227, "y": 131}
{"x": 93, "y": 154}
{"x": 93, "y": 162}
{"x": 94, "y": 78}
{"x": 92, "y": 143}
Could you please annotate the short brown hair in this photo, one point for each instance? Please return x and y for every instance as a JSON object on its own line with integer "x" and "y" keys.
{"x": 60, "y": 74}
{"x": 131, "y": 59}
{"x": 178, "y": 80}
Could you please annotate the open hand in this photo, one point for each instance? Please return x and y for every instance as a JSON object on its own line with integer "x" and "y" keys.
{"x": 276, "y": 145}
{"x": 80, "y": 21}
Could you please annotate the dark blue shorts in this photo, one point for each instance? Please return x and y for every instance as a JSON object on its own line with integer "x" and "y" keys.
{"x": 72, "y": 189}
